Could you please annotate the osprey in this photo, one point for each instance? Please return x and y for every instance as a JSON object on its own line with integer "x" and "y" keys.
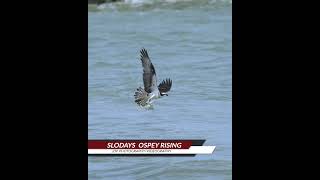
{"x": 151, "y": 90}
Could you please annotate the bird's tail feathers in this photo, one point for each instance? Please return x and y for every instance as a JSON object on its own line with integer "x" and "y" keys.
{"x": 141, "y": 96}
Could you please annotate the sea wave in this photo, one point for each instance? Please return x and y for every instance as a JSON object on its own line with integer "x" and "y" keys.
{"x": 159, "y": 4}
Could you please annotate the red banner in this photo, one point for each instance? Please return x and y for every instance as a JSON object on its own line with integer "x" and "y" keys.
{"x": 139, "y": 144}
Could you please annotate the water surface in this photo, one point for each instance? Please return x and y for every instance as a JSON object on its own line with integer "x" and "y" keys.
{"x": 187, "y": 41}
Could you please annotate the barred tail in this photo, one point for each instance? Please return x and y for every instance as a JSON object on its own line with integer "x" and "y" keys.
{"x": 141, "y": 96}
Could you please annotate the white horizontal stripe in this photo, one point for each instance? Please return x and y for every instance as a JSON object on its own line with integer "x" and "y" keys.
{"x": 191, "y": 150}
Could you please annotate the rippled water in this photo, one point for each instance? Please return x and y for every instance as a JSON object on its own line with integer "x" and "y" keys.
{"x": 188, "y": 41}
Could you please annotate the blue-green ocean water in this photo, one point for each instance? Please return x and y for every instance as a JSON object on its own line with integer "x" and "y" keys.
{"x": 188, "y": 41}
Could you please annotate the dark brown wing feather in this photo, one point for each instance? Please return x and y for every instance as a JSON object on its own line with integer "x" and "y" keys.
{"x": 165, "y": 85}
{"x": 149, "y": 73}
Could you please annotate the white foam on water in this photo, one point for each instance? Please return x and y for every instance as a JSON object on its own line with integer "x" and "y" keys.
{"x": 158, "y": 4}
{"x": 101, "y": 6}
{"x": 135, "y": 1}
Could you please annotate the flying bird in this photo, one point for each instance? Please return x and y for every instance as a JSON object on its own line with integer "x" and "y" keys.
{"x": 145, "y": 96}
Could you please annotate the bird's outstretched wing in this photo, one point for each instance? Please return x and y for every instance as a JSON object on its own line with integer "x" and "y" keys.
{"x": 165, "y": 85}
{"x": 149, "y": 73}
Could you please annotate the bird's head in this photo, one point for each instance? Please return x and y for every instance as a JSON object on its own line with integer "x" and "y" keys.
{"x": 163, "y": 93}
